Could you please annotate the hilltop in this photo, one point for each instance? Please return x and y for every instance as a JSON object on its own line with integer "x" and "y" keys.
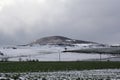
{"x": 59, "y": 40}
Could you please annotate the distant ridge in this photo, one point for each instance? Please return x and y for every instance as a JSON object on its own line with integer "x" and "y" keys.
{"x": 59, "y": 40}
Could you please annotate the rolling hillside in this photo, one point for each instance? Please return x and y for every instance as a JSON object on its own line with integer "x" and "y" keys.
{"x": 59, "y": 40}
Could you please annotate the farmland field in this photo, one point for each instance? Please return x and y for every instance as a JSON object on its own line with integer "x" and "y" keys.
{"x": 100, "y": 74}
{"x": 56, "y": 66}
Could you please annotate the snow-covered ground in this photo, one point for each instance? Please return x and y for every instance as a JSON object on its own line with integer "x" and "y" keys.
{"x": 105, "y": 74}
{"x": 47, "y": 53}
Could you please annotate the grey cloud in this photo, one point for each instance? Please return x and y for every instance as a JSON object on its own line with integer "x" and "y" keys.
{"x": 95, "y": 20}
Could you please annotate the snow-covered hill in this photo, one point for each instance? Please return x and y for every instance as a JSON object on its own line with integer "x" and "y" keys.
{"x": 59, "y": 41}
{"x": 50, "y": 49}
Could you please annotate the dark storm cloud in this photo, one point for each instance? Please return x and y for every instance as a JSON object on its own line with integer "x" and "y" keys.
{"x": 94, "y": 20}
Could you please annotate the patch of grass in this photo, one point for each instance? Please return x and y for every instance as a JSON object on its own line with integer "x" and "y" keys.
{"x": 56, "y": 66}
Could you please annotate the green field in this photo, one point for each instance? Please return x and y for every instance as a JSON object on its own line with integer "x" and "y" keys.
{"x": 56, "y": 66}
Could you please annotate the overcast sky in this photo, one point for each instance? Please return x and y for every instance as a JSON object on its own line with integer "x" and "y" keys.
{"x": 22, "y": 21}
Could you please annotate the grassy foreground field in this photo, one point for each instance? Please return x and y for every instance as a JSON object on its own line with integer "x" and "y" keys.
{"x": 56, "y": 66}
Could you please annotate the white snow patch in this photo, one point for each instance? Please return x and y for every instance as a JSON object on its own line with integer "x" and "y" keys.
{"x": 47, "y": 53}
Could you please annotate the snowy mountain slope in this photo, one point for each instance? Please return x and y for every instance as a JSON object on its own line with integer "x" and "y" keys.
{"x": 60, "y": 41}
{"x": 50, "y": 49}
